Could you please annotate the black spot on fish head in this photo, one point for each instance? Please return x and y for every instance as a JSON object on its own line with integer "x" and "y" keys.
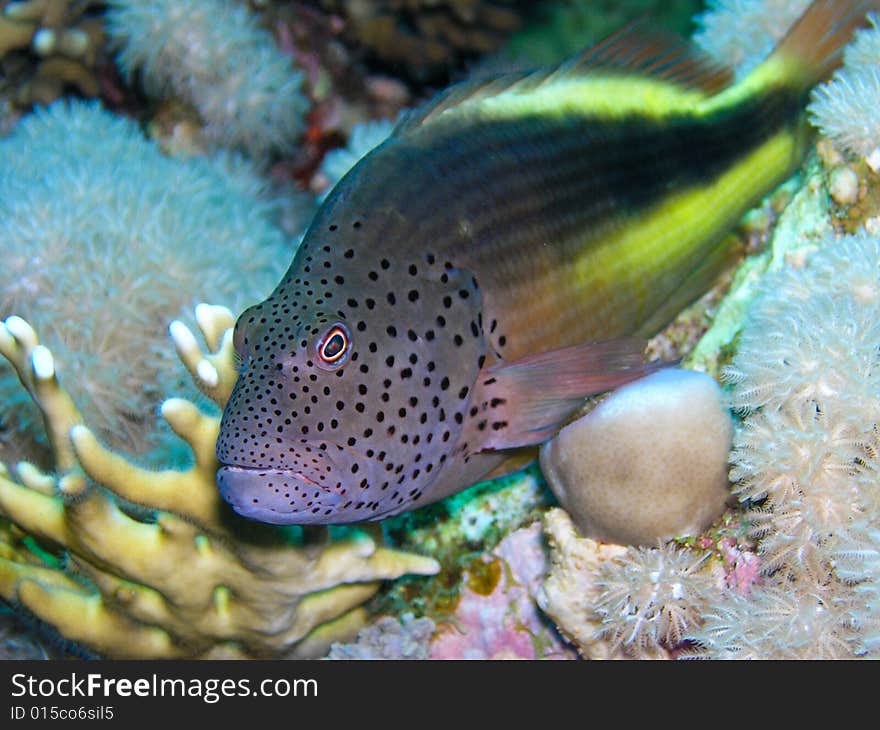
{"x": 355, "y": 382}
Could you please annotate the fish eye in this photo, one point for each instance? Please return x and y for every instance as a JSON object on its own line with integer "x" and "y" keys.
{"x": 333, "y": 346}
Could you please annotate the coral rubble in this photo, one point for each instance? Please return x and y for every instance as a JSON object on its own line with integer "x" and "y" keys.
{"x": 153, "y": 564}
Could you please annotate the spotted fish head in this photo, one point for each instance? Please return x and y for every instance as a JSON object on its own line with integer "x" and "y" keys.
{"x": 355, "y": 379}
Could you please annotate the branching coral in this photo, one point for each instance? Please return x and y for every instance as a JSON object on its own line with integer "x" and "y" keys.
{"x": 66, "y": 37}
{"x": 178, "y": 575}
{"x": 213, "y": 55}
{"x": 100, "y": 254}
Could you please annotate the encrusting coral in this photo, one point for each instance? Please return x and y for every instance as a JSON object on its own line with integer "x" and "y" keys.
{"x": 494, "y": 615}
{"x": 65, "y": 37}
{"x": 155, "y": 564}
{"x": 100, "y": 254}
{"x": 213, "y": 55}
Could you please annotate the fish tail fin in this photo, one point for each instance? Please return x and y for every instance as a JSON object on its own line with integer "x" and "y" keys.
{"x": 812, "y": 48}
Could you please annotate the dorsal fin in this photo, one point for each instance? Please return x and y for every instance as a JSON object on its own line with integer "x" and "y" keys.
{"x": 633, "y": 49}
{"x": 655, "y": 53}
{"x": 455, "y": 95}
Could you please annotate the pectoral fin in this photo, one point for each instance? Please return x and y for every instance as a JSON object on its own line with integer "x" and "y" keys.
{"x": 525, "y": 402}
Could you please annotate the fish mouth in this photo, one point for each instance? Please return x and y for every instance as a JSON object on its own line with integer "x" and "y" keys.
{"x": 276, "y": 496}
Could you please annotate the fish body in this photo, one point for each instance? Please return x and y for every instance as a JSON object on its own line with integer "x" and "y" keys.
{"x": 474, "y": 277}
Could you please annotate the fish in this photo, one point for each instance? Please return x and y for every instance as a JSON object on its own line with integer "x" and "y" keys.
{"x": 499, "y": 258}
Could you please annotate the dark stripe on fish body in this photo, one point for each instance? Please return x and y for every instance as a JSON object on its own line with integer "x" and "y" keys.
{"x": 573, "y": 171}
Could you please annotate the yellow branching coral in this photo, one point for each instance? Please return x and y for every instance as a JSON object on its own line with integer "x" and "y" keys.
{"x": 156, "y": 565}
{"x": 65, "y": 36}
{"x": 14, "y": 35}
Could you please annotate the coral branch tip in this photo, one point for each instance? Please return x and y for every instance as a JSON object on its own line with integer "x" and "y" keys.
{"x": 43, "y": 363}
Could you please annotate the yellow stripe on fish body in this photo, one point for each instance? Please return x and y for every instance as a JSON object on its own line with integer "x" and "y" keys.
{"x": 616, "y": 94}
{"x": 636, "y": 265}
{"x": 664, "y": 238}
{"x": 608, "y": 97}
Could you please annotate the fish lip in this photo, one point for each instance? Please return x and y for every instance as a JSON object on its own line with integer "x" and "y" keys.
{"x": 244, "y": 489}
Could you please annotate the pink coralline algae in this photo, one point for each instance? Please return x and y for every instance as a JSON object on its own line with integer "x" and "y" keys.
{"x": 497, "y": 618}
{"x": 742, "y": 567}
